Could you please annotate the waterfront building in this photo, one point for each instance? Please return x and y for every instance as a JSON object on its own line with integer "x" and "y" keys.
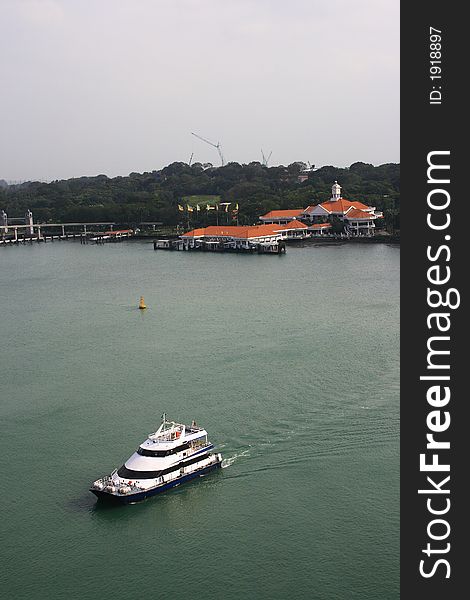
{"x": 357, "y": 218}
{"x": 281, "y": 217}
{"x": 320, "y": 228}
{"x": 304, "y": 173}
{"x": 236, "y": 236}
{"x": 295, "y": 230}
{"x": 242, "y": 236}
{"x": 359, "y": 222}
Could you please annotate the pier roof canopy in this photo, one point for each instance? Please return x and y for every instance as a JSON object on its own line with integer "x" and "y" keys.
{"x": 234, "y": 231}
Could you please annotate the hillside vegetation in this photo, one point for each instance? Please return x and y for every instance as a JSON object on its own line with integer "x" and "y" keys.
{"x": 154, "y": 196}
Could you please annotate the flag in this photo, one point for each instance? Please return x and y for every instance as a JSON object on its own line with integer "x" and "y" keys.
{"x": 190, "y": 208}
{"x": 180, "y": 208}
{"x": 198, "y": 208}
{"x": 236, "y": 206}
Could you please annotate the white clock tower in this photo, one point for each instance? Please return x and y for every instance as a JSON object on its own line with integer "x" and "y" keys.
{"x": 335, "y": 191}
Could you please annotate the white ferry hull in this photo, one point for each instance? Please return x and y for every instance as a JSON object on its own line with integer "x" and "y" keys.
{"x": 137, "y": 496}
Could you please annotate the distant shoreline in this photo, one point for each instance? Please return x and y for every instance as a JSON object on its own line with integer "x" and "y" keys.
{"x": 377, "y": 239}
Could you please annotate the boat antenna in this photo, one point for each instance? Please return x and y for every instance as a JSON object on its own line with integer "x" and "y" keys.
{"x": 164, "y": 417}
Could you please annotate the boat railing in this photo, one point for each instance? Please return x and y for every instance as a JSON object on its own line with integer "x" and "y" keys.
{"x": 164, "y": 439}
{"x": 193, "y": 429}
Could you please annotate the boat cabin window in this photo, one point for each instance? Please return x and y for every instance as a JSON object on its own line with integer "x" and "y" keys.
{"x": 199, "y": 442}
{"x": 161, "y": 453}
{"x": 126, "y": 473}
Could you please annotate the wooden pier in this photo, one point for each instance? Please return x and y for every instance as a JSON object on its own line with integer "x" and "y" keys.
{"x": 220, "y": 246}
{"x": 29, "y": 239}
{"x": 44, "y": 232}
{"x": 110, "y": 236}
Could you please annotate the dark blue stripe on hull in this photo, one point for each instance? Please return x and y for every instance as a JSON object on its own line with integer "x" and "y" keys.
{"x": 142, "y": 495}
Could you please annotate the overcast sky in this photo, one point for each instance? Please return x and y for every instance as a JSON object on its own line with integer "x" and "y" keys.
{"x": 115, "y": 86}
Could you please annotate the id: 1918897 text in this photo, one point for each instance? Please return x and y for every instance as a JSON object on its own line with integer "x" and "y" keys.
{"x": 435, "y": 65}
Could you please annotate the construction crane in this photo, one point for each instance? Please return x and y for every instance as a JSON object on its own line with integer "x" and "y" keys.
{"x": 212, "y": 144}
{"x": 265, "y": 160}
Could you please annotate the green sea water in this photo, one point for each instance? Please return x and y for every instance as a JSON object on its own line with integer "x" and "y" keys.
{"x": 290, "y": 362}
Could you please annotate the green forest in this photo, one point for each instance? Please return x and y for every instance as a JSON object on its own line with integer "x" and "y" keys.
{"x": 155, "y": 196}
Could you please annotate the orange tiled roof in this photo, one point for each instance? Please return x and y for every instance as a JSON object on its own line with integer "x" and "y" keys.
{"x": 337, "y": 206}
{"x": 342, "y": 205}
{"x": 355, "y": 213}
{"x": 293, "y": 225}
{"x": 195, "y": 232}
{"x": 320, "y": 226}
{"x": 234, "y": 231}
{"x": 282, "y": 214}
{"x": 260, "y": 231}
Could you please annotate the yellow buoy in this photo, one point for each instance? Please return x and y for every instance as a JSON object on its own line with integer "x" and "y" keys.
{"x": 142, "y": 304}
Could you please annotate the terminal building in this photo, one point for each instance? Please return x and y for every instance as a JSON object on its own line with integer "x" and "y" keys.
{"x": 242, "y": 236}
{"x": 358, "y": 218}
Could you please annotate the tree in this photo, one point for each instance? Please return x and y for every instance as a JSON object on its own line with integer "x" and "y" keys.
{"x": 154, "y": 195}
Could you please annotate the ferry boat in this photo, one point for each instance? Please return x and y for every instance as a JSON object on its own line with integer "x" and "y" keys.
{"x": 175, "y": 453}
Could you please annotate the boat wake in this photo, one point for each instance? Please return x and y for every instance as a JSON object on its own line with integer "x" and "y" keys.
{"x": 228, "y": 462}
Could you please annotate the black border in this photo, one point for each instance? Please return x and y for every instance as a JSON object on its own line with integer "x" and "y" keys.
{"x": 425, "y": 128}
